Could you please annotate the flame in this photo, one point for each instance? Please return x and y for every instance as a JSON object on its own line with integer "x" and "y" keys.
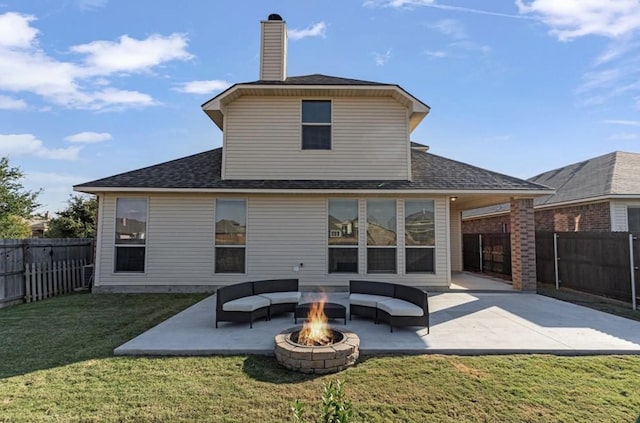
{"x": 315, "y": 330}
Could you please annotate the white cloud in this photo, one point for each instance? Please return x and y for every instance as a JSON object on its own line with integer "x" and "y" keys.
{"x": 91, "y": 4}
{"x": 15, "y": 30}
{"x": 438, "y": 54}
{"x": 623, "y": 136}
{"x": 622, "y": 122}
{"x": 382, "y": 58}
{"x": 89, "y": 137}
{"x": 8, "y": 103}
{"x": 408, "y": 4}
{"x": 24, "y": 67}
{"x": 570, "y": 19}
{"x": 29, "y": 145}
{"x": 203, "y": 87}
{"x": 315, "y": 30}
{"x": 131, "y": 55}
{"x": 450, "y": 27}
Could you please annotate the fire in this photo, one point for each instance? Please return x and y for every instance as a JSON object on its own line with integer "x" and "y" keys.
{"x": 315, "y": 330}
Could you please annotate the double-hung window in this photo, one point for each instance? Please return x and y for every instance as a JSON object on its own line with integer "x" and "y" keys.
{"x": 231, "y": 231}
{"x": 381, "y": 236}
{"x": 419, "y": 235}
{"x": 343, "y": 236}
{"x": 131, "y": 234}
{"x": 316, "y": 124}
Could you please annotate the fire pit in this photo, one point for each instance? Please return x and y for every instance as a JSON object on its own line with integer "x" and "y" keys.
{"x": 316, "y": 348}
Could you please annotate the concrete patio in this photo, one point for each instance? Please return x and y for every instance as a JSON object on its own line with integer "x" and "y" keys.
{"x": 461, "y": 323}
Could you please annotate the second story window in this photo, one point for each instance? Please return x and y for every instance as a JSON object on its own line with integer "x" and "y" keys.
{"x": 316, "y": 124}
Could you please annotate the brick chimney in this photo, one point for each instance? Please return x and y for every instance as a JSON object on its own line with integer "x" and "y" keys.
{"x": 273, "y": 49}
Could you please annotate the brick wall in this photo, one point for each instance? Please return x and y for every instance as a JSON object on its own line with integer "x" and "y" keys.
{"x": 581, "y": 218}
{"x": 523, "y": 245}
{"x": 487, "y": 225}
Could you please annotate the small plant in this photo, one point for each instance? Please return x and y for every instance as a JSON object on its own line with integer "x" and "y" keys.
{"x": 335, "y": 408}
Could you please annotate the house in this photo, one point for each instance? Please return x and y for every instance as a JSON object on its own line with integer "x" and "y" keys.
{"x": 601, "y": 194}
{"x": 316, "y": 179}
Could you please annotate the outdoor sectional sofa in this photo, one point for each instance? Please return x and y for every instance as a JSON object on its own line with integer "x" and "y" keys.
{"x": 397, "y": 305}
{"x": 249, "y": 301}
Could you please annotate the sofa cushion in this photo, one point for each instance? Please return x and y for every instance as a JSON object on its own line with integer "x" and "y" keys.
{"x": 246, "y": 304}
{"x": 282, "y": 297}
{"x": 396, "y": 307}
{"x": 366, "y": 300}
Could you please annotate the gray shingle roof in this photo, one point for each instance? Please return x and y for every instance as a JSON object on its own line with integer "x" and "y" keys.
{"x": 430, "y": 172}
{"x": 316, "y": 79}
{"x": 611, "y": 174}
{"x": 616, "y": 173}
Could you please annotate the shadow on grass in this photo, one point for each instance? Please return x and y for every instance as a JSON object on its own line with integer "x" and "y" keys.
{"x": 78, "y": 327}
{"x": 267, "y": 369}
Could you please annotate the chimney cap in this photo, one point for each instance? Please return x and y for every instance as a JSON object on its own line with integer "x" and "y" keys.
{"x": 274, "y": 17}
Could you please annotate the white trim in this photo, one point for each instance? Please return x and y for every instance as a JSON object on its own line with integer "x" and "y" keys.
{"x": 246, "y": 234}
{"x": 146, "y": 238}
{"x": 98, "y": 259}
{"x": 359, "y": 192}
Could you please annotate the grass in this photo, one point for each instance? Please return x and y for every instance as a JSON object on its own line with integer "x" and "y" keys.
{"x": 56, "y": 364}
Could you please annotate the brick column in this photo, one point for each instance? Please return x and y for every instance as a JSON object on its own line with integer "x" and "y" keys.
{"x": 523, "y": 244}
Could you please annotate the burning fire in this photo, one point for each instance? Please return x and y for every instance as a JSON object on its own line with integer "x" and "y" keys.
{"x": 315, "y": 331}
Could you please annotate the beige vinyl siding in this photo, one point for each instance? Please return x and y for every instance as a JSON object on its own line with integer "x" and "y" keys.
{"x": 455, "y": 219}
{"x": 274, "y": 50}
{"x": 282, "y": 232}
{"x": 179, "y": 242}
{"x": 263, "y": 140}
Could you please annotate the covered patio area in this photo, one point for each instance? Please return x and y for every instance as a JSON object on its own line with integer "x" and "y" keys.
{"x": 464, "y": 322}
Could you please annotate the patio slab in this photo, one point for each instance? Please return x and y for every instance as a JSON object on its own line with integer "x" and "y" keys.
{"x": 461, "y": 323}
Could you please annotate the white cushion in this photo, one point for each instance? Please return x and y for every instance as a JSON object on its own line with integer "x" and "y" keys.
{"x": 282, "y": 297}
{"x": 396, "y": 307}
{"x": 246, "y": 304}
{"x": 367, "y": 300}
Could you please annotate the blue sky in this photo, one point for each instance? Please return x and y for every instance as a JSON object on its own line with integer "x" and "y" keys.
{"x": 91, "y": 88}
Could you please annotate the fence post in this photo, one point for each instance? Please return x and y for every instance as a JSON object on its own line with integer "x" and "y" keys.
{"x": 633, "y": 273}
{"x": 555, "y": 259}
{"x": 480, "y": 248}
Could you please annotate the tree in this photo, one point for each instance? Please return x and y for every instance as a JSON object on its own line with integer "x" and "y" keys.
{"x": 78, "y": 220}
{"x": 16, "y": 204}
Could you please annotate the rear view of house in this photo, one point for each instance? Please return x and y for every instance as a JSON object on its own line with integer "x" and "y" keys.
{"x": 317, "y": 179}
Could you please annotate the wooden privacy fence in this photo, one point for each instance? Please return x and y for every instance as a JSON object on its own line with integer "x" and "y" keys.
{"x": 489, "y": 253}
{"x": 600, "y": 263}
{"x": 44, "y": 280}
{"x": 18, "y": 256}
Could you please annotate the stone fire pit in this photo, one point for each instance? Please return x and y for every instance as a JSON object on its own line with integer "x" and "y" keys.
{"x": 339, "y": 355}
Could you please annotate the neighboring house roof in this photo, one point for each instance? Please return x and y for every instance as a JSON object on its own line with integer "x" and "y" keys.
{"x": 202, "y": 171}
{"x": 612, "y": 175}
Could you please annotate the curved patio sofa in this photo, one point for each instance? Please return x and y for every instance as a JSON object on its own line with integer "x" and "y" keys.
{"x": 248, "y": 301}
{"x": 397, "y": 305}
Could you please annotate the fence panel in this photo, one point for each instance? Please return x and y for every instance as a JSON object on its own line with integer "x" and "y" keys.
{"x": 11, "y": 267}
{"x": 545, "y": 258}
{"x": 595, "y": 262}
{"x": 471, "y": 252}
{"x": 496, "y": 253}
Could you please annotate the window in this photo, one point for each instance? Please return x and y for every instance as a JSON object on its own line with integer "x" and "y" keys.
{"x": 633, "y": 215}
{"x": 343, "y": 236}
{"x": 419, "y": 235}
{"x": 316, "y": 124}
{"x": 381, "y": 236}
{"x": 231, "y": 231}
{"x": 131, "y": 234}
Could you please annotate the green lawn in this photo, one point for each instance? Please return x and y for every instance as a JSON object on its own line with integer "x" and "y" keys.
{"x": 56, "y": 364}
